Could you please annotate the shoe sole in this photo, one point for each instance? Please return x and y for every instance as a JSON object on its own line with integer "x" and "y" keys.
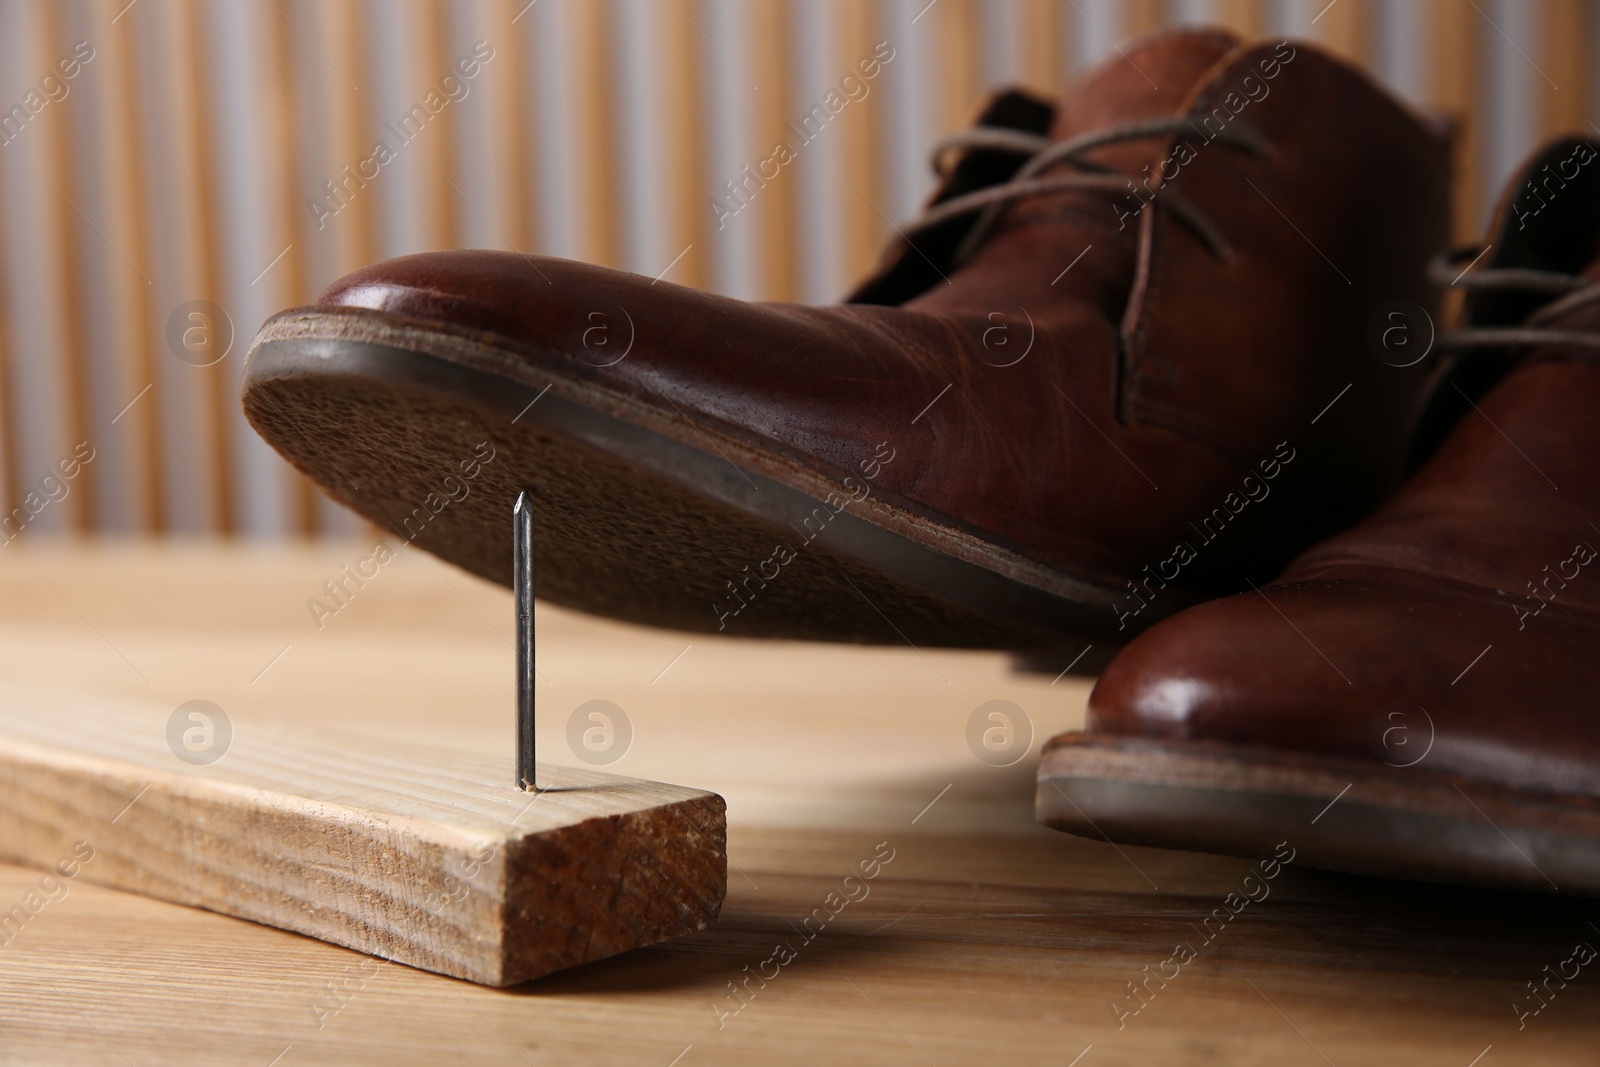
{"x": 641, "y": 516}
{"x": 1342, "y": 815}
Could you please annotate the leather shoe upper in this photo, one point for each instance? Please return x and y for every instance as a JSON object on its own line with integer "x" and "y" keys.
{"x": 1095, "y": 375}
{"x": 1457, "y": 628}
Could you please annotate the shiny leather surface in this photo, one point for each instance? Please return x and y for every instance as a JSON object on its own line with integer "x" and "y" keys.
{"x": 1458, "y": 628}
{"x": 1156, "y": 379}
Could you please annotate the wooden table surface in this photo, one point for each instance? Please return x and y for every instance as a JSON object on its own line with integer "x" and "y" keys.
{"x": 984, "y": 939}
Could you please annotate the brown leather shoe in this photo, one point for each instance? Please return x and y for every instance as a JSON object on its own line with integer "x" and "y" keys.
{"x": 1416, "y": 697}
{"x": 997, "y": 442}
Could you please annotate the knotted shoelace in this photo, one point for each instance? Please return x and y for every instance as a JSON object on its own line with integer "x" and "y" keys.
{"x": 1044, "y": 153}
{"x": 1575, "y": 292}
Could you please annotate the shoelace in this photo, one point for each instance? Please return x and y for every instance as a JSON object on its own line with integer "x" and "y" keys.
{"x": 1575, "y": 292}
{"x": 1044, "y": 153}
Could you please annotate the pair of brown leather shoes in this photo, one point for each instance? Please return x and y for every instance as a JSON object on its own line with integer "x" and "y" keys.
{"x": 1147, "y": 347}
{"x": 1420, "y": 695}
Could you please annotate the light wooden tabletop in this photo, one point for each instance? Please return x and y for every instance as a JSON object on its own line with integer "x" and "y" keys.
{"x": 984, "y": 938}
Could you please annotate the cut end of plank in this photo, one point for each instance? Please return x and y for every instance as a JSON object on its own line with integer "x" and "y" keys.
{"x": 418, "y": 855}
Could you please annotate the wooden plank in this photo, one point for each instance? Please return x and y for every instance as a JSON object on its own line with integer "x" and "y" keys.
{"x": 411, "y": 854}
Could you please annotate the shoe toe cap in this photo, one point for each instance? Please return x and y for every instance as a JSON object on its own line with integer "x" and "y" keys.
{"x": 1380, "y": 666}
{"x": 535, "y": 300}
{"x": 1230, "y": 670}
{"x": 1328, "y": 666}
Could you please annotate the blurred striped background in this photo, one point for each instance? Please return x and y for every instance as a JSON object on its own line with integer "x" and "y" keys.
{"x": 179, "y": 163}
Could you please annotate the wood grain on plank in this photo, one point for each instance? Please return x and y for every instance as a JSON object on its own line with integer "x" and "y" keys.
{"x": 987, "y": 939}
{"x": 409, "y": 853}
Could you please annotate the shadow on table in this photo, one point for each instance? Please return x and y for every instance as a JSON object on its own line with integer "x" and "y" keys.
{"x": 1020, "y": 886}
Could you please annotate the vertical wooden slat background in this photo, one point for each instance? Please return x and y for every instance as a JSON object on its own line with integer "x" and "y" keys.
{"x": 291, "y": 273}
{"x": 594, "y": 101}
{"x": 1457, "y": 71}
{"x": 131, "y": 184}
{"x": 514, "y": 129}
{"x": 1568, "y": 32}
{"x": 186, "y": 34}
{"x": 10, "y": 486}
{"x": 65, "y": 233}
{"x": 684, "y": 173}
{"x": 129, "y": 234}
